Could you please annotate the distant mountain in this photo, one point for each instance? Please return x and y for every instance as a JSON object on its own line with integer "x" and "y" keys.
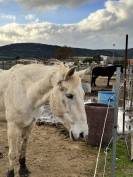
{"x": 36, "y": 50}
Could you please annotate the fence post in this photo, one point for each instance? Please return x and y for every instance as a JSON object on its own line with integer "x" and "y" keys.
{"x": 125, "y": 77}
{"x": 131, "y": 106}
{"x": 117, "y": 87}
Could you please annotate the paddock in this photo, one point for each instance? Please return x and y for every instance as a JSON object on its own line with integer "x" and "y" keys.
{"x": 52, "y": 154}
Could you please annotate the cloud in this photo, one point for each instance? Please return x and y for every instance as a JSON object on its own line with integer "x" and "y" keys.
{"x": 99, "y": 30}
{"x": 114, "y": 14}
{"x": 29, "y": 17}
{"x": 48, "y": 4}
{"x": 110, "y": 24}
{"x": 32, "y": 18}
{"x": 8, "y": 17}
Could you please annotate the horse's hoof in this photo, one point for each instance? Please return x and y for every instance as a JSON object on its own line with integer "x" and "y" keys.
{"x": 24, "y": 172}
{"x": 10, "y": 173}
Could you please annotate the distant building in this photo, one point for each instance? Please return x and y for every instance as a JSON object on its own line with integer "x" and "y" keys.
{"x": 104, "y": 59}
{"x": 111, "y": 59}
{"x": 130, "y": 61}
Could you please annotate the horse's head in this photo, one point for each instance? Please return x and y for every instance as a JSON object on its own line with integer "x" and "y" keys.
{"x": 67, "y": 103}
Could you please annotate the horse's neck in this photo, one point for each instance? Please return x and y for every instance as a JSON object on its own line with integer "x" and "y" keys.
{"x": 39, "y": 91}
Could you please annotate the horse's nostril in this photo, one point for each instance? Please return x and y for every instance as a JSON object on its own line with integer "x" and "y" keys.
{"x": 81, "y": 135}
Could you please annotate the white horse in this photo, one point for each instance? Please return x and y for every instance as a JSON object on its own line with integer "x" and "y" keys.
{"x": 24, "y": 89}
{"x": 1, "y": 70}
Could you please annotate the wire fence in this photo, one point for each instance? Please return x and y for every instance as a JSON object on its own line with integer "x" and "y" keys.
{"x": 7, "y": 64}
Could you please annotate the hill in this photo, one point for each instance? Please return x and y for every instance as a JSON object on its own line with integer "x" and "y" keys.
{"x": 36, "y": 50}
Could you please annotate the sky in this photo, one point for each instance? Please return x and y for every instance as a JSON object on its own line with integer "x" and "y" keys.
{"x": 93, "y": 24}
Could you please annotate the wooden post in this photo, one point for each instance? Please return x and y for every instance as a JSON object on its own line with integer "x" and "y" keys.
{"x": 125, "y": 75}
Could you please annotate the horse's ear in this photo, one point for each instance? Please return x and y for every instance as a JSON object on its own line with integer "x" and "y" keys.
{"x": 70, "y": 73}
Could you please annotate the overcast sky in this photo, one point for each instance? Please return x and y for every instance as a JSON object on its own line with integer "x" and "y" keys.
{"x": 93, "y": 24}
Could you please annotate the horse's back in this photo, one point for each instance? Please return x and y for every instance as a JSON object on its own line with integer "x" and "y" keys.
{"x": 103, "y": 71}
{"x": 97, "y": 71}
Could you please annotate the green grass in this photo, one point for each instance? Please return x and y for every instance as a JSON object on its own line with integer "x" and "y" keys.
{"x": 124, "y": 166}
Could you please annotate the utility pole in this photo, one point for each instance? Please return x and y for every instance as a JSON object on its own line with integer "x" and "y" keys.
{"x": 113, "y": 53}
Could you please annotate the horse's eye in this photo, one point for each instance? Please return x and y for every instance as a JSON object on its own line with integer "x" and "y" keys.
{"x": 69, "y": 95}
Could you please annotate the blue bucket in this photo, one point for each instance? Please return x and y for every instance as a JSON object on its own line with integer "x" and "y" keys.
{"x": 105, "y": 96}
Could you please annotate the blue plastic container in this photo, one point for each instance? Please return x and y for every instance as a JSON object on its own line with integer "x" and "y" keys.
{"x": 105, "y": 96}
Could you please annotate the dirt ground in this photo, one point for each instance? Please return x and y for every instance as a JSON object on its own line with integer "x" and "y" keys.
{"x": 52, "y": 154}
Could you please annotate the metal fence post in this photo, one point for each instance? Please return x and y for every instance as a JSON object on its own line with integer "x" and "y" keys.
{"x": 117, "y": 86}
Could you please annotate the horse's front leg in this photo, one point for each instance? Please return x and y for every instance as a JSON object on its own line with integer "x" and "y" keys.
{"x": 93, "y": 81}
{"x": 14, "y": 136}
{"x": 23, "y": 170}
{"x": 108, "y": 81}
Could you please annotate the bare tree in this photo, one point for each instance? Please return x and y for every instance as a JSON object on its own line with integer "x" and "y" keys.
{"x": 62, "y": 53}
